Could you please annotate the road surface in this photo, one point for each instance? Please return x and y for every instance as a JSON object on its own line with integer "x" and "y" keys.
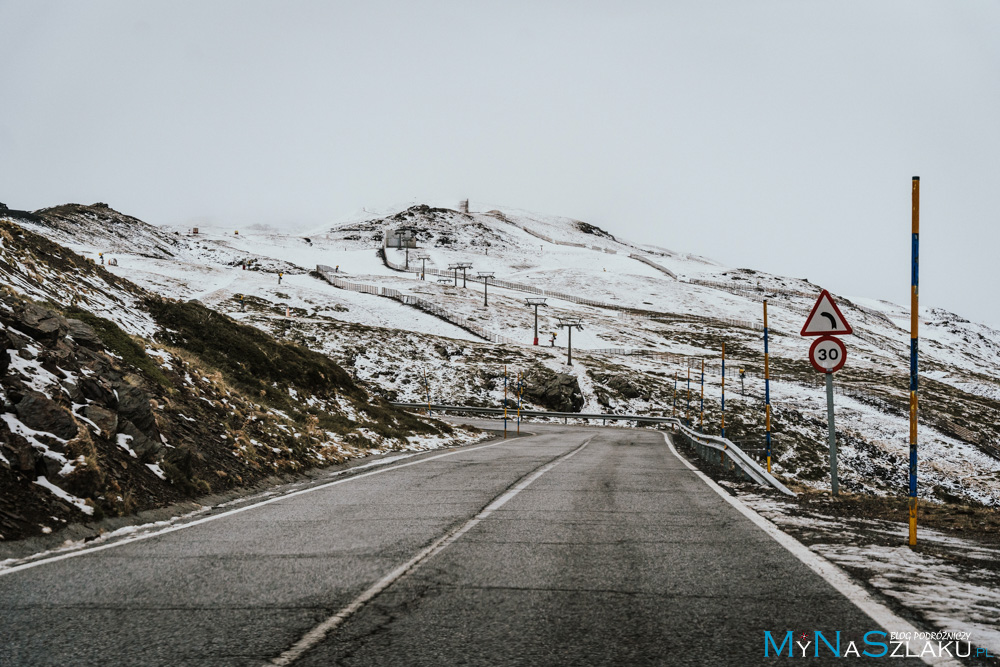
{"x": 576, "y": 546}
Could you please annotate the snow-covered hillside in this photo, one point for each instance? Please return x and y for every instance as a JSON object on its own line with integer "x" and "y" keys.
{"x": 380, "y": 319}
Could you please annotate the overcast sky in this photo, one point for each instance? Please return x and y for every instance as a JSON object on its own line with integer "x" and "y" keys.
{"x": 774, "y": 135}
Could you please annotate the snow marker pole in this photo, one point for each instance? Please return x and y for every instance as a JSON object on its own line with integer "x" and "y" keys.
{"x": 505, "y": 401}
{"x": 519, "y": 403}
{"x": 701, "y": 423}
{"x": 767, "y": 395}
{"x": 723, "y": 390}
{"x": 687, "y": 412}
{"x": 914, "y": 322}
{"x": 675, "y": 393}
{"x": 427, "y": 385}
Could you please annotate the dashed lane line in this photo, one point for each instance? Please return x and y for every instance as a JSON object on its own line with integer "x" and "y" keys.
{"x": 320, "y": 632}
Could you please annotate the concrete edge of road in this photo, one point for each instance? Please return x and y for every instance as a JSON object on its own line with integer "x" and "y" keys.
{"x": 132, "y": 534}
{"x": 833, "y": 575}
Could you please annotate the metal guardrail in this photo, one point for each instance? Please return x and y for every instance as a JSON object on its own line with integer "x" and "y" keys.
{"x": 727, "y": 454}
{"x": 724, "y": 452}
{"x": 533, "y": 413}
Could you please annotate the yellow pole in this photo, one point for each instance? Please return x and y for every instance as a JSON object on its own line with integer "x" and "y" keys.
{"x": 505, "y": 401}
{"x": 674, "y": 413}
{"x": 914, "y": 324}
{"x": 518, "y": 402}
{"x": 723, "y": 390}
{"x": 767, "y": 394}
{"x": 687, "y": 412}
{"x": 428, "y": 387}
{"x": 701, "y": 422}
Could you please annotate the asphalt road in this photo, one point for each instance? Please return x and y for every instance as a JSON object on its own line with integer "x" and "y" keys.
{"x": 616, "y": 555}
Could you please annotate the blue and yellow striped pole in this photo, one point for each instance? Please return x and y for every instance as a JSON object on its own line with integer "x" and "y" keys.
{"x": 505, "y": 402}
{"x": 675, "y": 393}
{"x": 723, "y": 390}
{"x": 767, "y": 395}
{"x": 427, "y": 385}
{"x": 701, "y": 422}
{"x": 520, "y": 390}
{"x": 914, "y": 322}
{"x": 687, "y": 412}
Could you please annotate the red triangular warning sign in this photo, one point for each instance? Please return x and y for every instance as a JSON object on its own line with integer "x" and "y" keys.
{"x": 826, "y": 319}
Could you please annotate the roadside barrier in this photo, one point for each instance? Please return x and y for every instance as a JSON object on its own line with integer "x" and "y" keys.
{"x": 713, "y": 449}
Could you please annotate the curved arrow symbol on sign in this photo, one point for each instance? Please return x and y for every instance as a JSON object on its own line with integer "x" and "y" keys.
{"x": 833, "y": 320}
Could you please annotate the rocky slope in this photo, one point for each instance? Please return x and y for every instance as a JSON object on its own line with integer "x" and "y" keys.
{"x": 116, "y": 400}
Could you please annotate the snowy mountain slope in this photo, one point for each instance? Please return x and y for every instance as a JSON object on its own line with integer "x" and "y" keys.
{"x": 114, "y": 400}
{"x": 685, "y": 320}
{"x": 35, "y": 266}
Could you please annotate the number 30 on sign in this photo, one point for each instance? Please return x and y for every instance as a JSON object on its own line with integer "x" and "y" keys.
{"x": 827, "y": 354}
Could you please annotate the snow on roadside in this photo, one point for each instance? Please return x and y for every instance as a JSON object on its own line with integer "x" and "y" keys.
{"x": 950, "y": 594}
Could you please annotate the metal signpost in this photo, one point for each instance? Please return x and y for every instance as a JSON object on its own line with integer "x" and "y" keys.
{"x": 827, "y": 354}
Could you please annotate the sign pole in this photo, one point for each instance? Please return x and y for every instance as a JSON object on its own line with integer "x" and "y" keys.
{"x": 833, "y": 433}
{"x": 767, "y": 395}
{"x": 914, "y": 322}
{"x": 723, "y": 390}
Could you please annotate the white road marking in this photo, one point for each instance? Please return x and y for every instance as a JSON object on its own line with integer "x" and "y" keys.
{"x": 832, "y": 574}
{"x": 319, "y": 633}
{"x": 215, "y": 517}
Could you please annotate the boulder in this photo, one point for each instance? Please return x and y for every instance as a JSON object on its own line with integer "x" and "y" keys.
{"x": 44, "y": 325}
{"x": 553, "y": 391}
{"x": 41, "y": 413}
{"x": 105, "y": 419}
{"x": 72, "y": 390}
{"x": 133, "y": 405}
{"x": 626, "y": 387}
{"x": 144, "y": 447}
{"x": 17, "y": 450}
{"x": 5, "y": 344}
{"x": 96, "y": 390}
{"x": 83, "y": 334}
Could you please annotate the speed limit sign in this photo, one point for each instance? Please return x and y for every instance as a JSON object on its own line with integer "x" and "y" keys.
{"x": 827, "y": 354}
